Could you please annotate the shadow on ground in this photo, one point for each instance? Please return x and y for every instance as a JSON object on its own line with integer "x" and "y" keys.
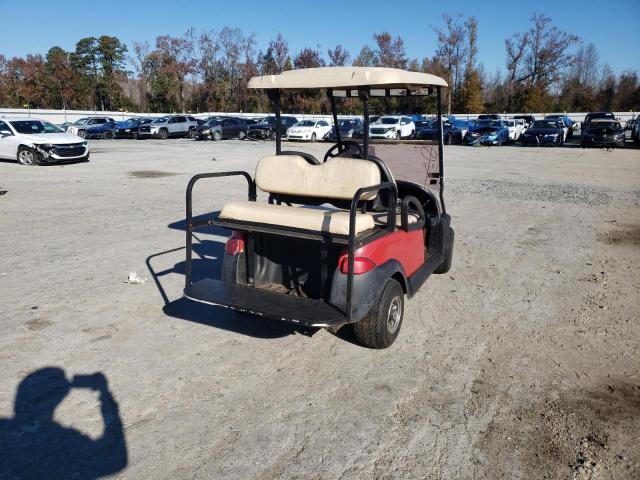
{"x": 34, "y": 445}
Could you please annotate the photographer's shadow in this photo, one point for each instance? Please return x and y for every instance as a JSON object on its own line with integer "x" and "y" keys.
{"x": 35, "y": 446}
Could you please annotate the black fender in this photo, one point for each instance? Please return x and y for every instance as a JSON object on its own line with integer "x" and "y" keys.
{"x": 367, "y": 287}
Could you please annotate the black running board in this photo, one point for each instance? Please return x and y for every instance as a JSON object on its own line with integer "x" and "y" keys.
{"x": 277, "y": 306}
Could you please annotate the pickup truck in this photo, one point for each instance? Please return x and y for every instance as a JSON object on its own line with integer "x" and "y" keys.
{"x": 169, "y": 126}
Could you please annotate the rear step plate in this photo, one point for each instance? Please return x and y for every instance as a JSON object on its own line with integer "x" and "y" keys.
{"x": 289, "y": 308}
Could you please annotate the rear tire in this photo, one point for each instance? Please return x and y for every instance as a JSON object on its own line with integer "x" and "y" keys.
{"x": 448, "y": 255}
{"x": 28, "y": 156}
{"x": 191, "y": 133}
{"x": 380, "y": 327}
{"x": 108, "y": 135}
{"x": 313, "y": 137}
{"x": 163, "y": 134}
{"x": 135, "y": 136}
{"x": 216, "y": 136}
{"x": 242, "y": 135}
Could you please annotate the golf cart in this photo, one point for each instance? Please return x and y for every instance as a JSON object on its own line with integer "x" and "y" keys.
{"x": 338, "y": 241}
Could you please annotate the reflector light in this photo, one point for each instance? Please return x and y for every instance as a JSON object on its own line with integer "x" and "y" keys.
{"x": 360, "y": 265}
{"x": 235, "y": 244}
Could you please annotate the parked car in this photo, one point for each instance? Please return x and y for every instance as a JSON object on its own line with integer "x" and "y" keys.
{"x": 311, "y": 130}
{"x": 392, "y": 127}
{"x": 516, "y": 128}
{"x": 450, "y": 133}
{"x": 105, "y": 130}
{"x": 462, "y": 125}
{"x": 489, "y": 116}
{"x": 130, "y": 128}
{"x": 593, "y": 115}
{"x": 349, "y": 128}
{"x": 567, "y": 124}
{"x": 603, "y": 132}
{"x": 528, "y": 119}
{"x": 266, "y": 127}
{"x": 250, "y": 121}
{"x": 487, "y": 132}
{"x": 33, "y": 142}
{"x": 635, "y": 131}
{"x": 79, "y": 127}
{"x": 218, "y": 128}
{"x": 169, "y": 126}
{"x": 544, "y": 132}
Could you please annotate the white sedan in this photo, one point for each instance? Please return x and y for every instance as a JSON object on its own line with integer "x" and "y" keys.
{"x": 311, "y": 130}
{"x": 32, "y": 142}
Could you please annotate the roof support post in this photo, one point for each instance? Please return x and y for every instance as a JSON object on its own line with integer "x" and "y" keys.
{"x": 274, "y": 97}
{"x": 364, "y": 95}
{"x": 441, "y": 149}
{"x": 334, "y": 111}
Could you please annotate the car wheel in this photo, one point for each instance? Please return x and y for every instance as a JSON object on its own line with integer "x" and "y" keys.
{"x": 216, "y": 136}
{"x": 81, "y": 133}
{"x": 313, "y": 137}
{"x": 447, "y": 140}
{"x": 499, "y": 144}
{"x": 380, "y": 327}
{"x": 163, "y": 134}
{"x": 108, "y": 135}
{"x": 28, "y": 156}
{"x": 242, "y": 135}
{"x": 398, "y": 136}
{"x": 135, "y": 135}
{"x": 448, "y": 255}
{"x": 191, "y": 133}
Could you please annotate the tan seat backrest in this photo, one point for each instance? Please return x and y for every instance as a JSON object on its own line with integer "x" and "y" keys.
{"x": 336, "y": 178}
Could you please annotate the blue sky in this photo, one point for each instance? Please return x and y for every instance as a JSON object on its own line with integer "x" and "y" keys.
{"x": 613, "y": 26}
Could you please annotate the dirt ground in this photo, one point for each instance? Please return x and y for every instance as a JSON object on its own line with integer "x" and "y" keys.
{"x": 522, "y": 362}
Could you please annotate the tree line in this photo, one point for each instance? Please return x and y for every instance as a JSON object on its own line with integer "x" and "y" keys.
{"x": 546, "y": 69}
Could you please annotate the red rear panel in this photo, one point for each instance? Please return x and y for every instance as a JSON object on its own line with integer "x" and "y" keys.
{"x": 406, "y": 247}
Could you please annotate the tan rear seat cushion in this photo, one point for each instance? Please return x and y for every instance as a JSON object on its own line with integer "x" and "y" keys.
{"x": 318, "y": 219}
{"x": 337, "y": 178}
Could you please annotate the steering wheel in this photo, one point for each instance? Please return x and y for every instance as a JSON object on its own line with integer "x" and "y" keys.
{"x": 340, "y": 148}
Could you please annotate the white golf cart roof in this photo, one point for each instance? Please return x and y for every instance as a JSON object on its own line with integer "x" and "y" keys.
{"x": 347, "y": 78}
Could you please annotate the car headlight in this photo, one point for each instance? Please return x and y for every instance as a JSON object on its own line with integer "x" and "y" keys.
{"x": 84, "y": 144}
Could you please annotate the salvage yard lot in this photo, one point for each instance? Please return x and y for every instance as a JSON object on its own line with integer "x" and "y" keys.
{"x": 522, "y": 361}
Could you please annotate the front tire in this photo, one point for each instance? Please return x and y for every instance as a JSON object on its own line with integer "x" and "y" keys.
{"x": 242, "y": 135}
{"x": 445, "y": 266}
{"x": 108, "y": 135}
{"x": 28, "y": 156}
{"x": 163, "y": 134}
{"x": 381, "y": 326}
{"x": 216, "y": 136}
{"x": 191, "y": 133}
{"x": 313, "y": 137}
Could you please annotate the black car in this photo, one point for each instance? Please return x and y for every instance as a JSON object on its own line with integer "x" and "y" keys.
{"x": 593, "y": 115}
{"x": 528, "y": 119}
{"x": 131, "y": 127}
{"x": 266, "y": 127}
{"x": 603, "y": 132}
{"x": 489, "y": 116}
{"x": 429, "y": 130}
{"x": 349, "y": 128}
{"x": 544, "y": 132}
{"x": 218, "y": 128}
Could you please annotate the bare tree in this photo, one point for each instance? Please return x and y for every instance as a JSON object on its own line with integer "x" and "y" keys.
{"x": 390, "y": 51}
{"x": 451, "y": 51}
{"x": 516, "y": 47}
{"x": 179, "y": 56}
{"x": 338, "y": 56}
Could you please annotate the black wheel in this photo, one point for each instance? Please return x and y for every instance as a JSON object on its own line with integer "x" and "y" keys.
{"x": 163, "y": 134}
{"x": 313, "y": 137}
{"x": 135, "y": 135}
{"x": 447, "y": 140}
{"x": 108, "y": 135}
{"x": 28, "y": 156}
{"x": 448, "y": 255}
{"x": 191, "y": 133}
{"x": 398, "y": 136}
{"x": 380, "y": 328}
{"x": 216, "y": 136}
{"x": 81, "y": 133}
{"x": 272, "y": 136}
{"x": 499, "y": 144}
{"x": 242, "y": 135}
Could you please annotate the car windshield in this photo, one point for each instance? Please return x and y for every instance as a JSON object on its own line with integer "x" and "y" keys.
{"x": 388, "y": 120}
{"x": 511, "y": 123}
{"x": 212, "y": 122}
{"x": 605, "y": 125}
{"x": 34, "y": 126}
{"x": 305, "y": 123}
{"x": 545, "y": 124}
{"x": 267, "y": 121}
{"x": 347, "y": 123}
{"x": 161, "y": 120}
{"x": 488, "y": 123}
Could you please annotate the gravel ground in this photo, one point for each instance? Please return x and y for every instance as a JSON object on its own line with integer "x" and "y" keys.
{"x": 522, "y": 362}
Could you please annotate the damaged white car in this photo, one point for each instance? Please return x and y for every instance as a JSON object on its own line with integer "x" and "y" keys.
{"x": 35, "y": 142}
